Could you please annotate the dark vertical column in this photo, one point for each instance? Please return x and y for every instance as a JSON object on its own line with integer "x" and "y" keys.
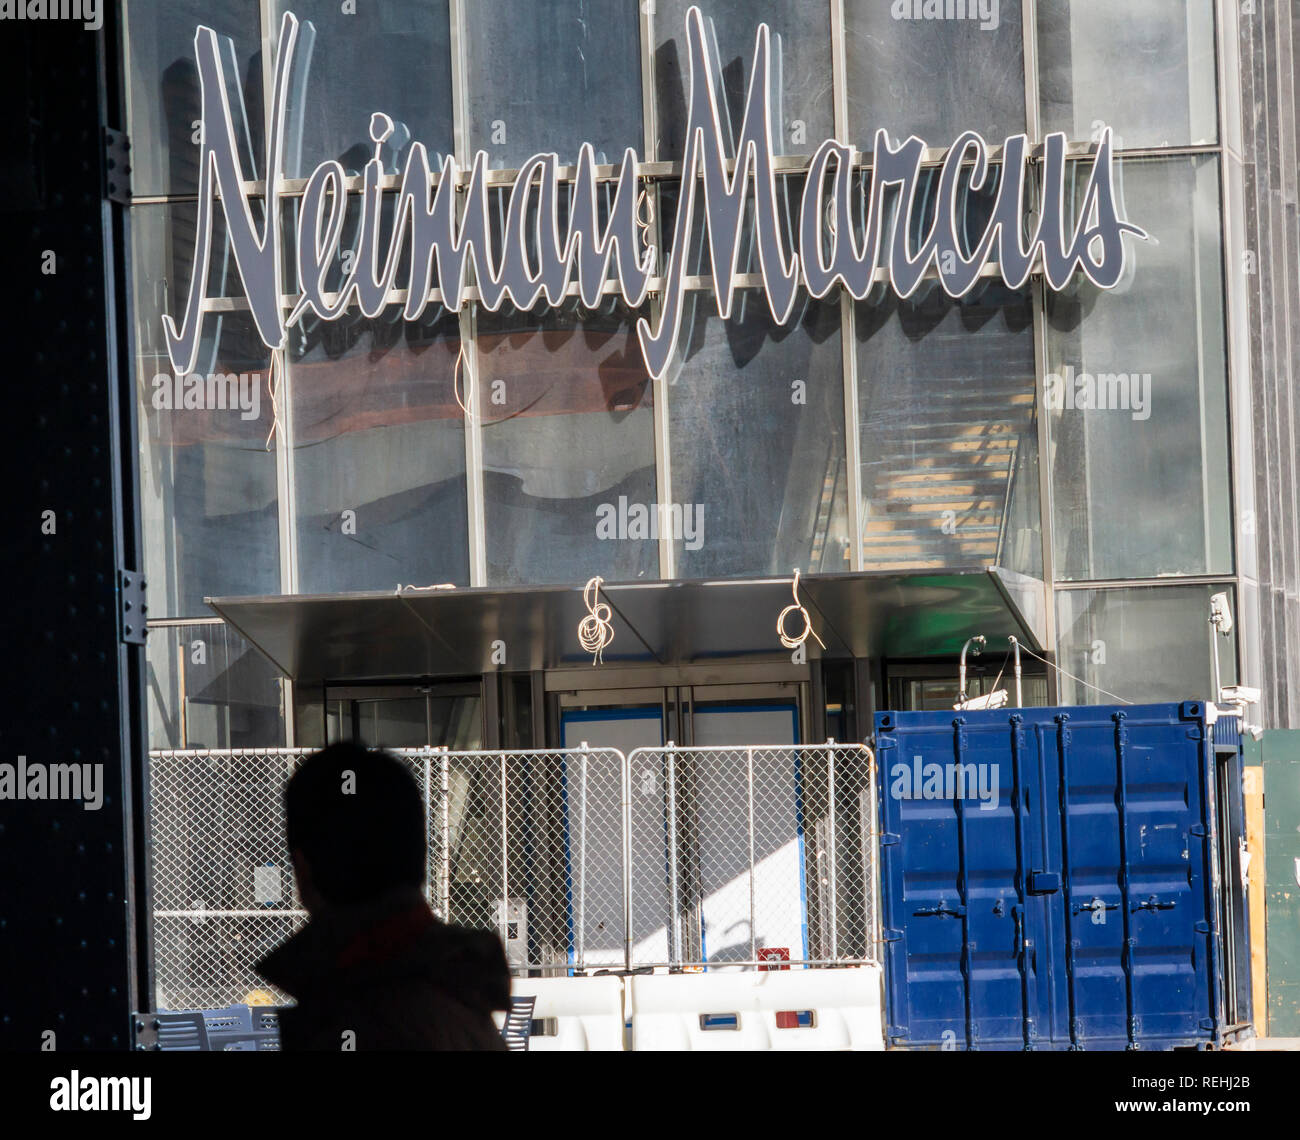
{"x": 70, "y": 883}
{"x": 1270, "y": 152}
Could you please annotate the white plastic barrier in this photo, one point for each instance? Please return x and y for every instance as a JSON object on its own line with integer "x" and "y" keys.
{"x": 588, "y": 1013}
{"x": 841, "y": 1009}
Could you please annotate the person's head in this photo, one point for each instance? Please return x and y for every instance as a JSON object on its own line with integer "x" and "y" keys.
{"x": 356, "y": 826}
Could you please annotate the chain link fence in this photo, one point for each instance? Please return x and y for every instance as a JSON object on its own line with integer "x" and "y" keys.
{"x": 739, "y": 856}
{"x": 580, "y": 859}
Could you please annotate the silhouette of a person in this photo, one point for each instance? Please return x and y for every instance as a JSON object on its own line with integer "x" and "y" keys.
{"x": 373, "y": 969}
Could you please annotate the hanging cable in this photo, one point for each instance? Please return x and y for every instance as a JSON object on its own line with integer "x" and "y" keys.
{"x": 795, "y": 642}
{"x": 273, "y": 376}
{"x": 595, "y": 630}
{"x": 1086, "y": 684}
{"x": 455, "y": 383}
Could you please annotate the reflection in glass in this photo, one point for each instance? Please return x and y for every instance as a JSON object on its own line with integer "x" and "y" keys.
{"x": 1137, "y": 393}
{"x": 568, "y": 446}
{"x": 1140, "y": 645}
{"x": 948, "y": 432}
{"x": 548, "y": 75}
{"x": 804, "y": 111}
{"x": 894, "y": 84}
{"x": 163, "y": 105}
{"x": 207, "y": 475}
{"x": 394, "y": 58}
{"x": 209, "y": 688}
{"x": 1145, "y": 69}
{"x": 756, "y": 430}
{"x": 379, "y": 453}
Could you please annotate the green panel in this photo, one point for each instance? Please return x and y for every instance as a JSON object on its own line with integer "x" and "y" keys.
{"x": 1281, "y": 752}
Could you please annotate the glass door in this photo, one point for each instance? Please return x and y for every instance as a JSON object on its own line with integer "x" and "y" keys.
{"x": 406, "y": 716}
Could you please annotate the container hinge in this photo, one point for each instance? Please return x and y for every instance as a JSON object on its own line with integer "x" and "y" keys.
{"x": 117, "y": 166}
{"x": 889, "y": 935}
{"x": 890, "y": 839}
{"x": 1206, "y": 1023}
{"x": 1202, "y": 927}
{"x": 884, "y": 742}
{"x": 1199, "y": 830}
{"x": 132, "y": 608}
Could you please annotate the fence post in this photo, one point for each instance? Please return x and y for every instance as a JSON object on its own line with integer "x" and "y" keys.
{"x": 674, "y": 923}
{"x": 625, "y": 772}
{"x": 582, "y": 861}
{"x": 503, "y": 922}
{"x": 445, "y": 886}
{"x": 753, "y": 931}
{"x": 830, "y": 848}
{"x": 428, "y": 822}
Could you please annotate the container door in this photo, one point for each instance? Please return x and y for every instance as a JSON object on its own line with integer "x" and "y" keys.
{"x": 1131, "y": 831}
{"x": 962, "y": 859}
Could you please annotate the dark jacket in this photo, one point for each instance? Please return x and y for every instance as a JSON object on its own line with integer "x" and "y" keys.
{"x": 392, "y": 976}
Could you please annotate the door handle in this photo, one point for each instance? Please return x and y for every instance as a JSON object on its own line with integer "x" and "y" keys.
{"x": 942, "y": 910}
{"x": 1153, "y": 903}
{"x": 1094, "y": 905}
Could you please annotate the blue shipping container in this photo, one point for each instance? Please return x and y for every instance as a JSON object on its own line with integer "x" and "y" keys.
{"x": 1062, "y": 878}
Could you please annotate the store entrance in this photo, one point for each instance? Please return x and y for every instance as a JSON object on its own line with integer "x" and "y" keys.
{"x": 406, "y": 716}
{"x": 700, "y": 716}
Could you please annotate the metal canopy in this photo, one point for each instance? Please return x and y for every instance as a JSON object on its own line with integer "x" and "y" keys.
{"x": 445, "y": 632}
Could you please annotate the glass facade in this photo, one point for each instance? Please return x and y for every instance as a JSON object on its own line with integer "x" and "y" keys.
{"x": 1079, "y": 438}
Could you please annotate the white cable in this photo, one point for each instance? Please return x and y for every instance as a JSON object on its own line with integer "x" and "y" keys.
{"x": 421, "y": 589}
{"x": 795, "y": 642}
{"x": 595, "y": 631}
{"x": 1025, "y": 649}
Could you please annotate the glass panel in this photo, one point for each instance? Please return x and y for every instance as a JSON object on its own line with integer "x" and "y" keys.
{"x": 568, "y": 447}
{"x": 163, "y": 87}
{"x": 394, "y": 58}
{"x": 1145, "y": 69}
{"x": 548, "y": 75}
{"x": 1136, "y": 393}
{"x": 209, "y": 498}
{"x": 804, "y": 107}
{"x": 756, "y": 415}
{"x": 893, "y": 83}
{"x": 949, "y": 443}
{"x": 209, "y": 688}
{"x": 1147, "y": 644}
{"x": 379, "y": 453}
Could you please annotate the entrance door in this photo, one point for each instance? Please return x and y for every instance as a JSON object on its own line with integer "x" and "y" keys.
{"x": 406, "y": 716}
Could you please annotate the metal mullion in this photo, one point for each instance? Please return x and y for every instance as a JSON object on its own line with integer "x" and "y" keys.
{"x": 477, "y": 508}
{"x": 649, "y": 106}
{"x": 1111, "y": 585}
{"x": 839, "y": 70}
{"x": 1046, "y": 500}
{"x": 848, "y": 310}
{"x": 852, "y": 436}
{"x": 1029, "y": 32}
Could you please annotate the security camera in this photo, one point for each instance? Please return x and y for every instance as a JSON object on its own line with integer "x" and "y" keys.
{"x": 1221, "y": 614}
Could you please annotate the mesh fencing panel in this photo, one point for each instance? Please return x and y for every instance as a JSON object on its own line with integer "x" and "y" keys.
{"x": 526, "y": 844}
{"x": 741, "y": 855}
{"x": 720, "y": 856}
